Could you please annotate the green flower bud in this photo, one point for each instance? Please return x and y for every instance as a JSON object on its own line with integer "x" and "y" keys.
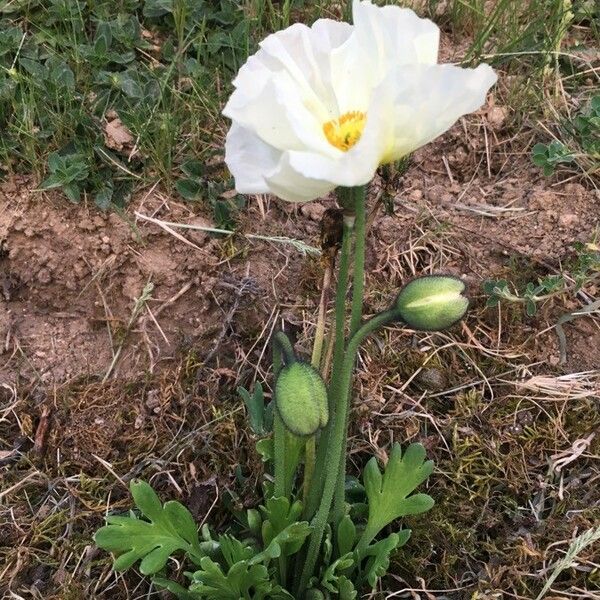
{"x": 432, "y": 303}
{"x": 301, "y": 399}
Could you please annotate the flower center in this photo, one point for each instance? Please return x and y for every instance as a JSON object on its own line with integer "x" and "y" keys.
{"x": 345, "y": 131}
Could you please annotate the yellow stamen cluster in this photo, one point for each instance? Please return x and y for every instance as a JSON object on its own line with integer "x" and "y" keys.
{"x": 345, "y": 131}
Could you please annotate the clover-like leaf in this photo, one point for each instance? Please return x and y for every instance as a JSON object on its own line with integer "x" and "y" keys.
{"x": 169, "y": 528}
{"x": 389, "y": 494}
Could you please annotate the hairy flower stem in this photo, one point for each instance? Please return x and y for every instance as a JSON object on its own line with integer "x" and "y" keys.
{"x": 316, "y": 487}
{"x": 336, "y": 442}
{"x": 278, "y": 429}
{"x": 358, "y": 278}
{"x": 358, "y": 288}
{"x": 279, "y": 448}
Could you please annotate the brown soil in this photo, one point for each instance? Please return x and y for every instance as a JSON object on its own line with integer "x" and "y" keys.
{"x": 69, "y": 277}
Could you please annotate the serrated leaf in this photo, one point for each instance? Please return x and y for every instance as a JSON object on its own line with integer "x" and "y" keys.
{"x": 55, "y": 162}
{"x": 103, "y": 197}
{"x": 169, "y": 528}
{"x": 388, "y": 494}
{"x": 52, "y": 181}
{"x": 72, "y": 192}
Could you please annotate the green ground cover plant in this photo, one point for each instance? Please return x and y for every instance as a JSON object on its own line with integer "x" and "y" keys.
{"x": 165, "y": 66}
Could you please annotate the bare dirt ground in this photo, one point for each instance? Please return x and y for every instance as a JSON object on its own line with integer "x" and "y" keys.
{"x": 491, "y": 400}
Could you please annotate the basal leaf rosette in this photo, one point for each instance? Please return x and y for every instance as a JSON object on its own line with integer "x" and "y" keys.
{"x": 323, "y": 106}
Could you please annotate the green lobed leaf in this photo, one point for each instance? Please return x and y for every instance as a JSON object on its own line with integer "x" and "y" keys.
{"x": 169, "y": 528}
{"x": 346, "y": 589}
{"x": 265, "y": 448}
{"x": 332, "y": 574}
{"x": 389, "y": 494}
{"x": 285, "y": 543}
{"x": 254, "y": 521}
{"x": 378, "y": 556}
{"x": 177, "y": 590}
{"x": 282, "y": 526}
{"x": 346, "y": 535}
{"x": 242, "y": 580}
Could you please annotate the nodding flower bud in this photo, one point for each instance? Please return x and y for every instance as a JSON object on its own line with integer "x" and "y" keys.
{"x": 301, "y": 399}
{"x": 432, "y": 303}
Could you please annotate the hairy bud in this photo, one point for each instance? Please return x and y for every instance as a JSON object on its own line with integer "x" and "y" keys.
{"x": 432, "y": 303}
{"x": 301, "y": 399}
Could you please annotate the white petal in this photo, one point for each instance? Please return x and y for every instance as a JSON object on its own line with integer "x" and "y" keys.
{"x": 280, "y": 117}
{"x": 288, "y": 82}
{"x": 396, "y": 36}
{"x": 428, "y": 100}
{"x": 287, "y": 183}
{"x": 249, "y": 159}
{"x": 302, "y": 53}
{"x": 382, "y": 39}
{"x": 357, "y": 166}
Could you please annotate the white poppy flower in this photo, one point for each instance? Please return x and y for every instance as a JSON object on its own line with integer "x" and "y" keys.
{"x": 323, "y": 106}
